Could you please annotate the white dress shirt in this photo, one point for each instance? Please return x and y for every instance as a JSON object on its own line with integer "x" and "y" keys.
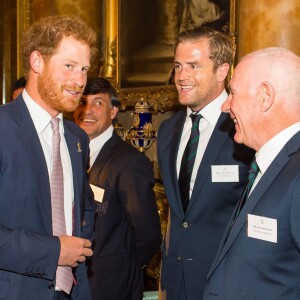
{"x": 268, "y": 152}
{"x": 210, "y": 115}
{"x": 41, "y": 120}
{"x": 98, "y": 142}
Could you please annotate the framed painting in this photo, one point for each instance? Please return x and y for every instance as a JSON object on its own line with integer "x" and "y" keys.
{"x": 139, "y": 43}
{"x": 29, "y": 11}
{"x": 136, "y": 39}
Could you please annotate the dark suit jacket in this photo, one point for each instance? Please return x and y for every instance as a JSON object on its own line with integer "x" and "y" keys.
{"x": 29, "y": 253}
{"x": 249, "y": 268}
{"x": 127, "y": 227}
{"x": 192, "y": 239}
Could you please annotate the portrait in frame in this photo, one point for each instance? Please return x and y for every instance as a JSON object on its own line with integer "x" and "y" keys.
{"x": 29, "y": 11}
{"x": 139, "y": 43}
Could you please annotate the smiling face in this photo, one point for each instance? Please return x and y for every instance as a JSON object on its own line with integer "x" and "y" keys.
{"x": 243, "y": 106}
{"x": 196, "y": 80}
{"x": 95, "y": 113}
{"x": 62, "y": 78}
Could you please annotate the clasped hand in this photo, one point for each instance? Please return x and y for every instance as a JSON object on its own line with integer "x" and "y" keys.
{"x": 73, "y": 250}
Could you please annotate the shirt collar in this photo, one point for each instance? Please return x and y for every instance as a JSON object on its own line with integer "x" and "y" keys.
{"x": 211, "y": 112}
{"x": 269, "y": 150}
{"x": 40, "y": 117}
{"x": 97, "y": 143}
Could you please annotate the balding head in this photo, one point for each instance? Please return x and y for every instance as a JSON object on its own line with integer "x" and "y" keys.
{"x": 265, "y": 95}
{"x": 277, "y": 66}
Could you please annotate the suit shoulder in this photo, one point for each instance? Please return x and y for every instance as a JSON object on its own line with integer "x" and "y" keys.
{"x": 76, "y": 130}
{"x": 6, "y": 110}
{"x": 123, "y": 150}
{"x": 172, "y": 120}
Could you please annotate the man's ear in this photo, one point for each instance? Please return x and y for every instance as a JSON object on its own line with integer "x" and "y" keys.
{"x": 114, "y": 112}
{"x": 222, "y": 71}
{"x": 267, "y": 96}
{"x": 36, "y": 61}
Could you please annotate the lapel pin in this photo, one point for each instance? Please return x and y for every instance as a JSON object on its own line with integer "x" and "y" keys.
{"x": 79, "y": 147}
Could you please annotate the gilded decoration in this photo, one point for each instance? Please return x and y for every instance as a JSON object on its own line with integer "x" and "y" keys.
{"x": 153, "y": 268}
{"x": 159, "y": 98}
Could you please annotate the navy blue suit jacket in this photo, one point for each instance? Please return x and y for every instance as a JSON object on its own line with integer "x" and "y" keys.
{"x": 29, "y": 253}
{"x": 249, "y": 268}
{"x": 193, "y": 238}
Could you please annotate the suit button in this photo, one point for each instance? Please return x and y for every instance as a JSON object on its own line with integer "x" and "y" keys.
{"x": 51, "y": 286}
{"x": 179, "y": 258}
{"x": 185, "y": 224}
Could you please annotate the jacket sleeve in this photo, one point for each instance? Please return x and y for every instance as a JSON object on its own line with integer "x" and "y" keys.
{"x": 136, "y": 186}
{"x": 28, "y": 253}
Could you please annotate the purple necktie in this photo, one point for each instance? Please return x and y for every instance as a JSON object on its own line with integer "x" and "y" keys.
{"x": 64, "y": 276}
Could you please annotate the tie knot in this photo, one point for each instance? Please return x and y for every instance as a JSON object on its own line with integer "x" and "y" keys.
{"x": 55, "y": 124}
{"x": 195, "y": 120}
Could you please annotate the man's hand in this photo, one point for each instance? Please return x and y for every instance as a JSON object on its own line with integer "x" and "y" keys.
{"x": 73, "y": 250}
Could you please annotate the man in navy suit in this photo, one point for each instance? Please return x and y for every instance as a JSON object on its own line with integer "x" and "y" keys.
{"x": 127, "y": 227}
{"x": 57, "y": 51}
{"x": 259, "y": 256}
{"x": 202, "y": 60}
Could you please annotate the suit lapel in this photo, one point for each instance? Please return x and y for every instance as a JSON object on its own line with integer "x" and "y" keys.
{"x": 173, "y": 158}
{"x": 101, "y": 159}
{"x": 32, "y": 145}
{"x": 272, "y": 172}
{"x": 73, "y": 144}
{"x": 219, "y": 136}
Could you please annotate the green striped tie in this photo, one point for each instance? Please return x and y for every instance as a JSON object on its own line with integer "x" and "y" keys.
{"x": 254, "y": 169}
{"x": 187, "y": 162}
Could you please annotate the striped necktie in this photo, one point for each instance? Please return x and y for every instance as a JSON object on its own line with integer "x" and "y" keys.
{"x": 187, "y": 162}
{"x": 64, "y": 275}
{"x": 254, "y": 169}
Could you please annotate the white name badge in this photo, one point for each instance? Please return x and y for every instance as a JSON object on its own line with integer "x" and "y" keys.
{"x": 262, "y": 228}
{"x": 98, "y": 193}
{"x": 225, "y": 173}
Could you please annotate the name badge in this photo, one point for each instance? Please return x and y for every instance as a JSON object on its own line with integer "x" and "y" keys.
{"x": 98, "y": 193}
{"x": 225, "y": 173}
{"x": 262, "y": 228}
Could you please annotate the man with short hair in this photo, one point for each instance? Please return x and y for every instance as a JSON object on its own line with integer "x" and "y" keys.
{"x": 47, "y": 210}
{"x": 203, "y": 170}
{"x": 127, "y": 228}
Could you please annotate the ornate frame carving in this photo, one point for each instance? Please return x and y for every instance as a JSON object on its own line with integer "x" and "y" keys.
{"x": 23, "y": 22}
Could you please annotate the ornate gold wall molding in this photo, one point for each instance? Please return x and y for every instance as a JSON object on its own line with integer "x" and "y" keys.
{"x": 111, "y": 63}
{"x": 23, "y": 22}
{"x": 159, "y": 98}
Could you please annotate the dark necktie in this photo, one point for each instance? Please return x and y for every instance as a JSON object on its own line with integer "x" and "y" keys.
{"x": 64, "y": 276}
{"x": 254, "y": 169}
{"x": 187, "y": 162}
